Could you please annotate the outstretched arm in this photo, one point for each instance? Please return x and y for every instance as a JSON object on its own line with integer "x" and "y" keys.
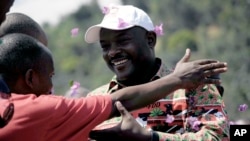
{"x": 187, "y": 75}
{"x": 123, "y": 128}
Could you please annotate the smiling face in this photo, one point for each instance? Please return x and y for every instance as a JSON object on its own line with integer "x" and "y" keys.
{"x": 128, "y": 53}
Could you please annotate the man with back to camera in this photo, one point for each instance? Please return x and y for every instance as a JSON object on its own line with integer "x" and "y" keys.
{"x": 128, "y": 37}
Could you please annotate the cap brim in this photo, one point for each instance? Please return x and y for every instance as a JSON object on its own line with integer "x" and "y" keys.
{"x": 92, "y": 34}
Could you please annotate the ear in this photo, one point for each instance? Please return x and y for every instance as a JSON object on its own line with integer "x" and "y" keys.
{"x": 29, "y": 78}
{"x": 151, "y": 36}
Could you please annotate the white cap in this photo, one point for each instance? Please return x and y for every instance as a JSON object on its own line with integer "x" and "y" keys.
{"x": 120, "y": 18}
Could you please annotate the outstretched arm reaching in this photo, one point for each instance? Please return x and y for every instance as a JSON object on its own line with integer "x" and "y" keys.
{"x": 187, "y": 75}
{"x": 124, "y": 127}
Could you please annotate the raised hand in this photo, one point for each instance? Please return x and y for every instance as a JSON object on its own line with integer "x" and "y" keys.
{"x": 195, "y": 73}
{"x": 127, "y": 130}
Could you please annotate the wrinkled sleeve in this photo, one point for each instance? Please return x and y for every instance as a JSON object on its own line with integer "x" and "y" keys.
{"x": 209, "y": 109}
{"x": 78, "y": 116}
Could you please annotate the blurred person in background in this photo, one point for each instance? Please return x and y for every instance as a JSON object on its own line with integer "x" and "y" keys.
{"x": 4, "y": 8}
{"x": 22, "y": 23}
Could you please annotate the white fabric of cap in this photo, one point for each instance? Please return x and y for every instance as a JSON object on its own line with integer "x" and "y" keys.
{"x": 130, "y": 15}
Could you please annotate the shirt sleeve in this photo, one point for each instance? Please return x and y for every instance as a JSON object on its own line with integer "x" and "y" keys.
{"x": 207, "y": 108}
{"x": 79, "y": 115}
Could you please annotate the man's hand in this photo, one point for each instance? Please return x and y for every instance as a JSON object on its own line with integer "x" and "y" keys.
{"x": 194, "y": 73}
{"x": 127, "y": 130}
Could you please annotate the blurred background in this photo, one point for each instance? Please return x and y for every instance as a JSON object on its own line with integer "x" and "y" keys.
{"x": 210, "y": 28}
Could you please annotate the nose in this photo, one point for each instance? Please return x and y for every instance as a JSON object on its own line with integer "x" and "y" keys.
{"x": 113, "y": 50}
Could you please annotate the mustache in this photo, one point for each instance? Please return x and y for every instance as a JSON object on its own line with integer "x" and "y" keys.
{"x": 117, "y": 56}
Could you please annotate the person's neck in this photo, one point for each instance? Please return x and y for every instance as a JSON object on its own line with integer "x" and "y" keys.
{"x": 142, "y": 77}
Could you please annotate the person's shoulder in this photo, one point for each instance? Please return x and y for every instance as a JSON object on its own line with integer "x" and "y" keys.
{"x": 100, "y": 90}
{"x": 43, "y": 103}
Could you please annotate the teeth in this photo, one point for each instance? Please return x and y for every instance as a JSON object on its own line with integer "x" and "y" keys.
{"x": 120, "y": 62}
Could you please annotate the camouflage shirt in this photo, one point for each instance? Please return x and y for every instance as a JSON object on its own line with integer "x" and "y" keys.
{"x": 183, "y": 115}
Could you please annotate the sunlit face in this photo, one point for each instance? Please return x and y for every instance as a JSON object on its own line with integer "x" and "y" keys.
{"x": 4, "y": 8}
{"x": 126, "y": 52}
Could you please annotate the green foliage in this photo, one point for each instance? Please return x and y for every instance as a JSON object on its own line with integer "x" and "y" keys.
{"x": 211, "y": 28}
{"x": 181, "y": 40}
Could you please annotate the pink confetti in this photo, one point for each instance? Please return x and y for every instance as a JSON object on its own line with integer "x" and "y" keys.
{"x": 194, "y": 122}
{"x": 105, "y": 10}
{"x": 74, "y": 32}
{"x": 74, "y": 87}
{"x": 243, "y": 107}
{"x": 231, "y": 123}
{"x": 122, "y": 23}
{"x": 159, "y": 30}
{"x": 170, "y": 119}
{"x": 196, "y": 125}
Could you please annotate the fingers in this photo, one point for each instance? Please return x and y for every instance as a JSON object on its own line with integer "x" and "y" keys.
{"x": 123, "y": 111}
{"x": 214, "y": 69}
{"x": 110, "y": 133}
{"x": 205, "y": 61}
{"x": 214, "y": 72}
{"x": 214, "y": 65}
{"x": 187, "y": 56}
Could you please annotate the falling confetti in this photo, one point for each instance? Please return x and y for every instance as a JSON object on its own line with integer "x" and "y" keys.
{"x": 159, "y": 30}
{"x": 194, "y": 122}
{"x": 169, "y": 119}
{"x": 105, "y": 10}
{"x": 122, "y": 23}
{"x": 74, "y": 87}
{"x": 231, "y": 123}
{"x": 74, "y": 32}
{"x": 196, "y": 125}
{"x": 243, "y": 107}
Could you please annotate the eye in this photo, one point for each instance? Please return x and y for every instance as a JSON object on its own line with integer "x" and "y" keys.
{"x": 123, "y": 41}
{"x": 105, "y": 46}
